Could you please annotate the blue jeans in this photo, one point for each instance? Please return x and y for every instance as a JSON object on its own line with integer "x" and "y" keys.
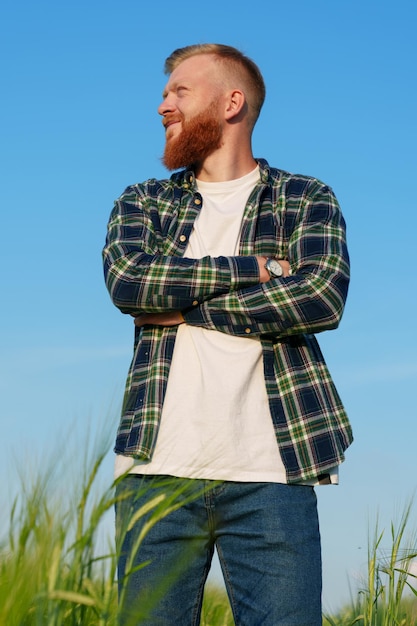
{"x": 266, "y": 535}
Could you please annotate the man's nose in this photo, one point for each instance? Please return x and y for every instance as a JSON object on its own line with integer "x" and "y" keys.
{"x": 166, "y": 106}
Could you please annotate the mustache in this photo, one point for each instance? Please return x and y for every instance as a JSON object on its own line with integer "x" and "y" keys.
{"x": 171, "y": 119}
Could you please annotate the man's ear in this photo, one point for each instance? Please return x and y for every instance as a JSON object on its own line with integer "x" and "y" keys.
{"x": 235, "y": 104}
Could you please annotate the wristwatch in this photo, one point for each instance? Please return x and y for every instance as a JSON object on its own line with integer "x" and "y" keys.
{"x": 274, "y": 268}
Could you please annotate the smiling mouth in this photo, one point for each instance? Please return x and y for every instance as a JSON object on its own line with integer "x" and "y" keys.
{"x": 167, "y": 122}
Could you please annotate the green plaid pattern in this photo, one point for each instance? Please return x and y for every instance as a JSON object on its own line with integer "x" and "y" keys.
{"x": 287, "y": 216}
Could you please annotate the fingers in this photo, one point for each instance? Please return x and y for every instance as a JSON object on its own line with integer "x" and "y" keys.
{"x": 171, "y": 318}
{"x": 140, "y": 320}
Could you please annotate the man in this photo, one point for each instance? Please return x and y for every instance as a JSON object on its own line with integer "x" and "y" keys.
{"x": 230, "y": 414}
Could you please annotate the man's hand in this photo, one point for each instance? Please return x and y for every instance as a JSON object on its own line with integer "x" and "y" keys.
{"x": 172, "y": 318}
{"x": 264, "y": 275}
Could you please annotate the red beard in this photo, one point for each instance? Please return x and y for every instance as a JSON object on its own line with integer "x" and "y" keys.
{"x": 199, "y": 137}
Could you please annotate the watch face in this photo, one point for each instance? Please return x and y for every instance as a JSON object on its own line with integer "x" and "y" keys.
{"x": 274, "y": 267}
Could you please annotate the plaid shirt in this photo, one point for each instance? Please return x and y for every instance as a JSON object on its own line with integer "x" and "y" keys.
{"x": 288, "y": 217}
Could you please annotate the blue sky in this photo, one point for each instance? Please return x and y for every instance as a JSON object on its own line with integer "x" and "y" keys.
{"x": 81, "y": 82}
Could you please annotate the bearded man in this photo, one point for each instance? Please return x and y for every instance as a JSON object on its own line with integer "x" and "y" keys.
{"x": 230, "y": 417}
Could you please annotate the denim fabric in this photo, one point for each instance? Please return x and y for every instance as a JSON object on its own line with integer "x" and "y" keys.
{"x": 267, "y": 538}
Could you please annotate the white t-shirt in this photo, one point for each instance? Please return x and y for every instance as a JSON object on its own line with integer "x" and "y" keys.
{"x": 216, "y": 423}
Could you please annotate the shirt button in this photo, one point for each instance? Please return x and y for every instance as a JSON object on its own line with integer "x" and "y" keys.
{"x": 197, "y": 201}
{"x": 195, "y": 302}
{"x": 183, "y": 238}
{"x": 248, "y": 331}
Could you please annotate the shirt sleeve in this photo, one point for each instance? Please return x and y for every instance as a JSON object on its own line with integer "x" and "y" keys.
{"x": 142, "y": 277}
{"x": 311, "y": 300}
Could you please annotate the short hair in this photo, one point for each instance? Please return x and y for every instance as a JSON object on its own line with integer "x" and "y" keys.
{"x": 235, "y": 61}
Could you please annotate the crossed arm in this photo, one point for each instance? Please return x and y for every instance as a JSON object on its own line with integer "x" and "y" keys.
{"x": 174, "y": 318}
{"x": 147, "y": 278}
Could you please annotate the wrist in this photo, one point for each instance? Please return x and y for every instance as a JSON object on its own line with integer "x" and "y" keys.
{"x": 264, "y": 275}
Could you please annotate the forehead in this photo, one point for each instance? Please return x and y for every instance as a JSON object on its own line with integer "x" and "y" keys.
{"x": 198, "y": 69}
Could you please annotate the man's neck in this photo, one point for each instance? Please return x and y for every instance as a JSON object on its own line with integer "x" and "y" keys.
{"x": 220, "y": 167}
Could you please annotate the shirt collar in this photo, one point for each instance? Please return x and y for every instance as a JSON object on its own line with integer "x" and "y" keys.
{"x": 186, "y": 178}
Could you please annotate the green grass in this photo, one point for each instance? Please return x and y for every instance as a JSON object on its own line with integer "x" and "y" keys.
{"x": 388, "y": 595}
{"x": 216, "y": 608}
{"x": 58, "y": 562}
{"x": 58, "y": 556}
{"x": 50, "y": 570}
